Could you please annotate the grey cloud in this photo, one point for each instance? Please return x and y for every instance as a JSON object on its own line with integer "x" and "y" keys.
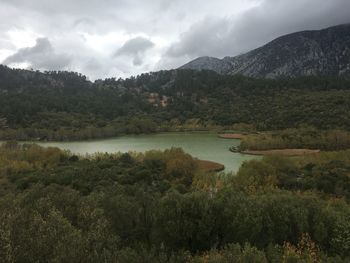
{"x": 135, "y": 48}
{"x": 180, "y": 30}
{"x": 66, "y": 6}
{"x": 93, "y": 65}
{"x": 87, "y": 28}
{"x": 40, "y": 56}
{"x": 84, "y": 22}
{"x": 201, "y": 39}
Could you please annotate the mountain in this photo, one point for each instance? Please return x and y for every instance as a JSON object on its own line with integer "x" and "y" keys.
{"x": 208, "y": 63}
{"x": 317, "y": 52}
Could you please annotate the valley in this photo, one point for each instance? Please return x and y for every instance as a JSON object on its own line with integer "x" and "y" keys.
{"x": 241, "y": 159}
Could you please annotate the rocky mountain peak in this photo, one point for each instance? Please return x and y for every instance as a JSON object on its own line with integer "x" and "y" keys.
{"x": 316, "y": 52}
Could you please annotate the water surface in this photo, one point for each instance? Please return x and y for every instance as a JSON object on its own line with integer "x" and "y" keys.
{"x": 206, "y": 146}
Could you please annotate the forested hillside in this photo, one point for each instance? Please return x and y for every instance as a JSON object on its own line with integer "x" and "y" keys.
{"x": 65, "y": 105}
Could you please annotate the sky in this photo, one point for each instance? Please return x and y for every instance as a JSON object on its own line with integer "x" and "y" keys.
{"x": 121, "y": 38}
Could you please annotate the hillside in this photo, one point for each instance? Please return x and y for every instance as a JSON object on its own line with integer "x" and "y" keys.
{"x": 67, "y": 106}
{"x": 318, "y": 52}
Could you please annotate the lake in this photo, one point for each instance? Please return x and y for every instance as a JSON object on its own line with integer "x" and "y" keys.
{"x": 206, "y": 146}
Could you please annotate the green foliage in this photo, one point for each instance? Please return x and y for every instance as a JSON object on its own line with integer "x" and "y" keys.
{"x": 341, "y": 242}
{"x": 254, "y": 176}
{"x": 326, "y": 172}
{"x": 144, "y": 208}
{"x": 297, "y": 138}
{"x": 66, "y": 106}
{"x": 39, "y": 226}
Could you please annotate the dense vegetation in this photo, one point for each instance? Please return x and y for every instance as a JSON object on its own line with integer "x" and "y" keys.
{"x": 333, "y": 140}
{"x": 161, "y": 206}
{"x": 65, "y": 105}
{"x": 158, "y": 207}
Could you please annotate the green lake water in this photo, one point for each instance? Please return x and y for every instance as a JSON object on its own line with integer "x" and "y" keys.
{"x": 206, "y": 146}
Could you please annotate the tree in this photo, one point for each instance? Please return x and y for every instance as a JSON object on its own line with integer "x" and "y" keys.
{"x": 3, "y": 122}
{"x": 341, "y": 241}
{"x": 180, "y": 166}
{"x": 257, "y": 175}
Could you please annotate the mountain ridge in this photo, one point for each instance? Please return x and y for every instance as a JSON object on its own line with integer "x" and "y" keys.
{"x": 303, "y": 53}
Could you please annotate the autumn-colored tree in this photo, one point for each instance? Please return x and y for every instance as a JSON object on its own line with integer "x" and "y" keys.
{"x": 306, "y": 251}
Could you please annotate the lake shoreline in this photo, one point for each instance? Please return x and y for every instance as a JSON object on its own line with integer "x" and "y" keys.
{"x": 237, "y": 136}
{"x": 40, "y": 140}
{"x": 200, "y": 145}
{"x": 283, "y": 152}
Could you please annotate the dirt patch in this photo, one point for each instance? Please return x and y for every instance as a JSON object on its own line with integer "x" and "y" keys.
{"x": 285, "y": 152}
{"x": 209, "y": 166}
{"x": 231, "y": 135}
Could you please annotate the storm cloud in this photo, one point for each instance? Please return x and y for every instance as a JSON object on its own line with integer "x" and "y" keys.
{"x": 119, "y": 38}
{"x": 40, "y": 56}
{"x": 135, "y": 48}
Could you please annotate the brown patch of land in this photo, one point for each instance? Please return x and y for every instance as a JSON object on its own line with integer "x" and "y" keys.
{"x": 285, "y": 152}
{"x": 231, "y": 135}
{"x": 209, "y": 166}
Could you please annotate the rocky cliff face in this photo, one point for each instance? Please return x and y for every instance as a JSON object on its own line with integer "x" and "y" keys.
{"x": 209, "y": 63}
{"x": 321, "y": 52}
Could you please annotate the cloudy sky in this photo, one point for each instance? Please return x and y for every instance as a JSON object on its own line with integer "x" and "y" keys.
{"x": 119, "y": 38}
